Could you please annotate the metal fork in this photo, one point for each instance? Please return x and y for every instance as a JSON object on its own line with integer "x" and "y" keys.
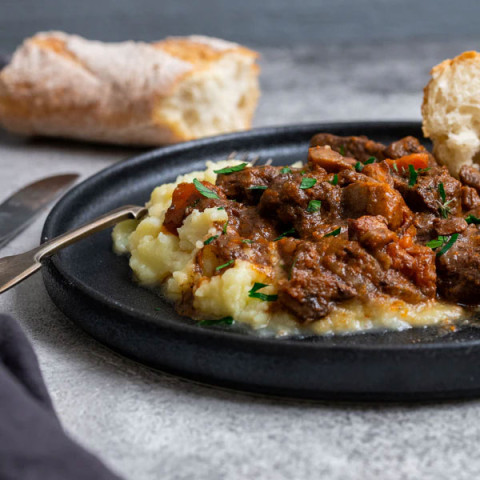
{"x": 16, "y": 268}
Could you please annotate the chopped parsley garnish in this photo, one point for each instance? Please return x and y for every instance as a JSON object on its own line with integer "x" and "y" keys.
{"x": 308, "y": 182}
{"x": 342, "y": 150}
{"x": 303, "y": 172}
{"x": 314, "y": 206}
{"x": 224, "y": 229}
{"x": 395, "y": 167}
{"x": 258, "y": 187}
{"x": 206, "y": 192}
{"x": 254, "y": 293}
{"x": 285, "y": 234}
{"x": 472, "y": 219}
{"x": 359, "y": 165}
{"x": 220, "y": 321}
{"x": 227, "y": 170}
{"x": 208, "y": 241}
{"x": 441, "y": 191}
{"x": 224, "y": 265}
{"x": 412, "y": 180}
{"x": 448, "y": 245}
{"x": 435, "y": 243}
{"x": 444, "y": 242}
{"x": 291, "y": 269}
{"x": 443, "y": 208}
{"x": 247, "y": 241}
{"x": 334, "y": 180}
{"x": 413, "y": 174}
{"x": 195, "y": 203}
{"x": 333, "y": 233}
{"x": 285, "y": 170}
{"x": 221, "y": 208}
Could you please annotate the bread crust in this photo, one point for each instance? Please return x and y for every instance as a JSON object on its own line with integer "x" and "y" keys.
{"x": 63, "y": 85}
{"x": 435, "y": 72}
{"x": 451, "y": 101}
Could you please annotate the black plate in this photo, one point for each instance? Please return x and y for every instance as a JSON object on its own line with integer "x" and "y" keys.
{"x": 94, "y": 288}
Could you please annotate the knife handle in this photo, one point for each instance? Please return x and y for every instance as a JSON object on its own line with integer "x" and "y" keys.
{"x": 16, "y": 268}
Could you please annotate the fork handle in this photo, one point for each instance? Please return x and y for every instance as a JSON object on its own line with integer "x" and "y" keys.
{"x": 16, "y": 268}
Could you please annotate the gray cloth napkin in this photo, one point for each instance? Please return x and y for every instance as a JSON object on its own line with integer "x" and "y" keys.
{"x": 33, "y": 444}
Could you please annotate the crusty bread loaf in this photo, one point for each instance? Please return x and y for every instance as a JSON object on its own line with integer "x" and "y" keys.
{"x": 131, "y": 92}
{"x": 451, "y": 111}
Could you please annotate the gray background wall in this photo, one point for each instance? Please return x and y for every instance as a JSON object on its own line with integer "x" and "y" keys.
{"x": 253, "y": 22}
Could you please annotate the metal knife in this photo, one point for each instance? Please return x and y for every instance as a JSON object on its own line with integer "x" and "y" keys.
{"x": 17, "y": 211}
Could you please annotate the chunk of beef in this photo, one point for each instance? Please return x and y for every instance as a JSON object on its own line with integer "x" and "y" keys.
{"x": 335, "y": 269}
{"x": 312, "y": 286}
{"x": 288, "y": 204}
{"x": 229, "y": 247}
{"x": 424, "y": 195}
{"x": 329, "y": 159}
{"x": 238, "y": 185}
{"x": 470, "y": 176}
{"x": 448, "y": 226}
{"x": 414, "y": 262}
{"x": 459, "y": 269}
{"x": 407, "y": 146}
{"x": 373, "y": 198}
{"x": 361, "y": 148}
{"x": 346, "y": 177}
{"x": 371, "y": 231}
{"x": 470, "y": 198}
{"x": 379, "y": 172}
{"x": 244, "y": 222}
{"x": 423, "y": 222}
{"x": 247, "y": 222}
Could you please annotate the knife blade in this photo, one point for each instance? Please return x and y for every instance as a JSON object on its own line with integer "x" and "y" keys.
{"x": 17, "y": 211}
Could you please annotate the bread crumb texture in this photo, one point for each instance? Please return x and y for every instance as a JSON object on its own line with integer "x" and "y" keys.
{"x": 129, "y": 92}
{"x": 451, "y": 111}
{"x": 165, "y": 261}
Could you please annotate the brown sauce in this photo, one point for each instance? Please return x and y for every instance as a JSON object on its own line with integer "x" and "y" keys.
{"x": 360, "y": 220}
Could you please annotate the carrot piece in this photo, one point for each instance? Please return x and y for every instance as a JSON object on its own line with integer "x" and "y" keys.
{"x": 406, "y": 241}
{"x": 184, "y": 195}
{"x": 418, "y": 160}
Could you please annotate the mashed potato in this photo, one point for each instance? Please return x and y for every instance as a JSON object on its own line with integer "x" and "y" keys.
{"x": 159, "y": 258}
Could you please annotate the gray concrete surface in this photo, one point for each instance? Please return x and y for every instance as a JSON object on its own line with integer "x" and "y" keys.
{"x": 267, "y": 22}
{"x": 147, "y": 425}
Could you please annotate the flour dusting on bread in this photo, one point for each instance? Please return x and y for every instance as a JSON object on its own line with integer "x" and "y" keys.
{"x": 129, "y": 92}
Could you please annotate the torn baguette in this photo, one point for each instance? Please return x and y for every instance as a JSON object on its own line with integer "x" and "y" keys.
{"x": 134, "y": 93}
{"x": 451, "y": 111}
